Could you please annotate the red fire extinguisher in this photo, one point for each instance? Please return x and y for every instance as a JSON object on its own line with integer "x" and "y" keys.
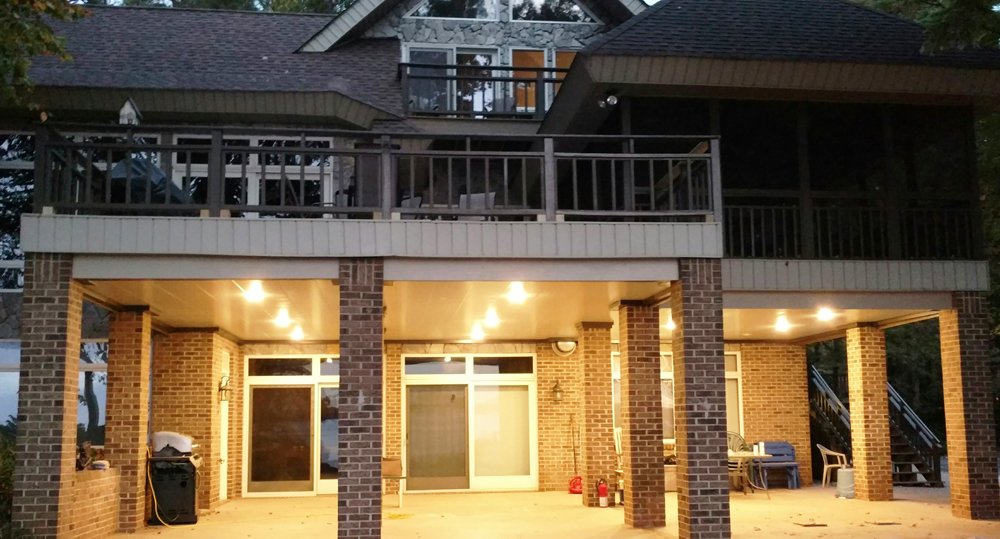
{"x": 602, "y": 492}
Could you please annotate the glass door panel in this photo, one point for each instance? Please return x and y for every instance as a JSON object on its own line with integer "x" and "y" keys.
{"x": 329, "y": 439}
{"x": 502, "y": 441}
{"x": 281, "y": 440}
{"x": 437, "y": 440}
{"x": 475, "y": 94}
{"x": 525, "y": 92}
{"x": 429, "y": 94}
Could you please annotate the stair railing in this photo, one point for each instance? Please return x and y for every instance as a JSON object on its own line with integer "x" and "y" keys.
{"x": 831, "y": 410}
{"x": 924, "y": 443}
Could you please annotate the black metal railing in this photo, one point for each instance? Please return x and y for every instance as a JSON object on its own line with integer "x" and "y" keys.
{"x": 845, "y": 227}
{"x": 361, "y": 175}
{"x": 478, "y": 91}
{"x": 922, "y": 441}
{"x": 831, "y": 411}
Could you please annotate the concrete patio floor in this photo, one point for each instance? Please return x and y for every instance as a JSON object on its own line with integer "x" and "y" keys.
{"x": 918, "y": 513}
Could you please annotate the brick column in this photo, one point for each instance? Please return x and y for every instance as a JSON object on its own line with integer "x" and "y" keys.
{"x": 597, "y": 421}
{"x": 700, "y": 401}
{"x": 127, "y": 412}
{"x": 968, "y": 408}
{"x": 47, "y": 400}
{"x": 642, "y": 413}
{"x": 359, "y": 501}
{"x": 869, "y": 398}
{"x": 393, "y": 407}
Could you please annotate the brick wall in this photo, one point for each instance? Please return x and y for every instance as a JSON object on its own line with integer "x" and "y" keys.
{"x": 594, "y": 409}
{"x": 642, "y": 413}
{"x": 93, "y": 504}
{"x": 965, "y": 365}
{"x": 776, "y": 401}
{"x": 700, "y": 401}
{"x": 127, "y": 412}
{"x": 359, "y": 500}
{"x": 559, "y": 422}
{"x": 393, "y": 394}
{"x": 47, "y": 399}
{"x": 866, "y": 380}
{"x": 234, "y": 460}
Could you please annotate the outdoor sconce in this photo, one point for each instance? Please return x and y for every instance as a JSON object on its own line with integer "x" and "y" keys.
{"x": 557, "y": 392}
{"x": 224, "y": 389}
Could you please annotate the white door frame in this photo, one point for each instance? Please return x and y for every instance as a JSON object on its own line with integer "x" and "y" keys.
{"x": 224, "y": 442}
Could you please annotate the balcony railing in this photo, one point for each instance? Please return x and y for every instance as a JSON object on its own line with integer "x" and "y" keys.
{"x": 473, "y": 91}
{"x": 360, "y": 175}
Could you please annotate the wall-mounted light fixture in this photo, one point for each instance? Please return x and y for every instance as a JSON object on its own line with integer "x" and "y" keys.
{"x": 557, "y": 392}
{"x": 224, "y": 389}
{"x": 564, "y": 348}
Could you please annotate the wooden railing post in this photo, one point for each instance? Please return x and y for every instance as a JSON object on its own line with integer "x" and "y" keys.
{"x": 43, "y": 172}
{"x": 716, "y": 180}
{"x": 385, "y": 169}
{"x": 216, "y": 175}
{"x": 539, "y": 94}
{"x": 549, "y": 179}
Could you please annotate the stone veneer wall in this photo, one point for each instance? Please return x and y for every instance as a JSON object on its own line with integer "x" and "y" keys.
{"x": 93, "y": 504}
{"x": 501, "y": 33}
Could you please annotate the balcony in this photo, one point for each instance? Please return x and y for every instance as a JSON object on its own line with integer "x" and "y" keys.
{"x": 359, "y": 175}
{"x": 467, "y": 91}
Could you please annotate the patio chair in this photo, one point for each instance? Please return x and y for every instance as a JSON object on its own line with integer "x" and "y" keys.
{"x": 619, "y": 462}
{"x": 736, "y": 442}
{"x": 739, "y": 470}
{"x": 410, "y": 203}
{"x": 831, "y": 461}
{"x": 476, "y": 201}
{"x": 782, "y": 456}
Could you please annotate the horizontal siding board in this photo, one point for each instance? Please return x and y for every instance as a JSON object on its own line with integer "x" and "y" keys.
{"x": 845, "y": 275}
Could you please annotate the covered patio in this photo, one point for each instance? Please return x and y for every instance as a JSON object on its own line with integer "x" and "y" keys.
{"x": 916, "y": 512}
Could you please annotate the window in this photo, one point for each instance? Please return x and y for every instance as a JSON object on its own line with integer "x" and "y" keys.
{"x": 457, "y": 9}
{"x": 93, "y": 392}
{"x": 549, "y": 11}
{"x": 10, "y": 357}
{"x": 734, "y": 408}
{"x": 525, "y": 92}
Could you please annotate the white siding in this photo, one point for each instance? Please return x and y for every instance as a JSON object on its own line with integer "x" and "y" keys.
{"x": 856, "y": 275}
{"x": 347, "y": 238}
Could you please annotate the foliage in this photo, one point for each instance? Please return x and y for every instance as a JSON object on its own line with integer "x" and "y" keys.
{"x": 15, "y": 192}
{"x": 23, "y": 34}
{"x": 948, "y": 24}
{"x": 281, "y": 6}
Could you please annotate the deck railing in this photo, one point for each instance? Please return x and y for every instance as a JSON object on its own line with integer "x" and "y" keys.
{"x": 475, "y": 91}
{"x": 363, "y": 175}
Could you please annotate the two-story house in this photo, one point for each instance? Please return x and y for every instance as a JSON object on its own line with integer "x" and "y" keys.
{"x": 506, "y": 242}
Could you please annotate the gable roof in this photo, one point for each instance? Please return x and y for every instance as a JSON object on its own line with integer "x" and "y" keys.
{"x": 808, "y": 30}
{"x": 364, "y": 14}
{"x": 212, "y": 50}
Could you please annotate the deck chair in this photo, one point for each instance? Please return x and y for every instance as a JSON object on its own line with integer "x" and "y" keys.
{"x": 831, "y": 461}
{"x": 619, "y": 462}
{"x": 782, "y": 456}
{"x": 736, "y": 442}
{"x": 476, "y": 201}
{"x": 738, "y": 468}
{"x": 410, "y": 203}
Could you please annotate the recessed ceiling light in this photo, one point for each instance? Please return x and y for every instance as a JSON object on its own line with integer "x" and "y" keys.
{"x": 297, "y": 333}
{"x": 329, "y": 360}
{"x": 825, "y": 314}
{"x": 670, "y": 323}
{"x": 491, "y": 319}
{"x": 283, "y": 321}
{"x": 516, "y": 293}
{"x": 447, "y": 359}
{"x": 477, "y": 333}
{"x": 782, "y": 324}
{"x": 255, "y": 292}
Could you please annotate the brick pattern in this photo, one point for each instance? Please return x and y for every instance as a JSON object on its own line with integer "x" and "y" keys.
{"x": 597, "y": 425}
{"x": 359, "y": 500}
{"x": 127, "y": 412}
{"x": 94, "y": 503}
{"x": 642, "y": 413}
{"x": 870, "y": 440}
{"x": 234, "y": 462}
{"x": 559, "y": 423}
{"x": 700, "y": 401}
{"x": 393, "y": 380}
{"x": 965, "y": 365}
{"x": 47, "y": 399}
{"x": 776, "y": 401}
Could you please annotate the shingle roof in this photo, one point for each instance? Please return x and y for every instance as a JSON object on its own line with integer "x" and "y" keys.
{"x": 809, "y": 30}
{"x": 185, "y": 49}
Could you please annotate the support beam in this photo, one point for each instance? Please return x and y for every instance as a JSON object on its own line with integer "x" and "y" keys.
{"x": 45, "y": 465}
{"x": 597, "y": 428}
{"x": 642, "y": 412}
{"x": 968, "y": 408}
{"x": 870, "y": 439}
{"x": 700, "y": 401}
{"x": 359, "y": 500}
{"x": 127, "y": 412}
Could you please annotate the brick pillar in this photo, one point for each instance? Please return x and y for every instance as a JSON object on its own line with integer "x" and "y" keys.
{"x": 597, "y": 421}
{"x": 393, "y": 407}
{"x": 700, "y": 401}
{"x": 642, "y": 413}
{"x": 869, "y": 398}
{"x": 359, "y": 503}
{"x": 127, "y": 412}
{"x": 47, "y": 400}
{"x": 968, "y": 408}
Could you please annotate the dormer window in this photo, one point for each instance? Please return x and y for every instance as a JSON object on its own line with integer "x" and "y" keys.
{"x": 549, "y": 11}
{"x": 457, "y": 9}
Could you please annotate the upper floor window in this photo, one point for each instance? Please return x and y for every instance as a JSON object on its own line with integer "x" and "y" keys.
{"x": 457, "y": 9}
{"x": 549, "y": 10}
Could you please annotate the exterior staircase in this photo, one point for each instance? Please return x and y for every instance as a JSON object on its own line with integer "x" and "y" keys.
{"x": 916, "y": 451}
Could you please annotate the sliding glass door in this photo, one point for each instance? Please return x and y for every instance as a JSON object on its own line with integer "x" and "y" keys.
{"x": 437, "y": 438}
{"x": 280, "y": 439}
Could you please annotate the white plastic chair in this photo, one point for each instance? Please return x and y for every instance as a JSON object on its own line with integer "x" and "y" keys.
{"x": 619, "y": 459}
{"x": 828, "y": 465}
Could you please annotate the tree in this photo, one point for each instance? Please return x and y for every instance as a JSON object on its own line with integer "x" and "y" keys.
{"x": 949, "y": 24}
{"x": 23, "y": 34}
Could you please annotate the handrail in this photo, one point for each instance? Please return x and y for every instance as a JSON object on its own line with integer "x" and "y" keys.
{"x": 826, "y": 403}
{"x": 924, "y": 443}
